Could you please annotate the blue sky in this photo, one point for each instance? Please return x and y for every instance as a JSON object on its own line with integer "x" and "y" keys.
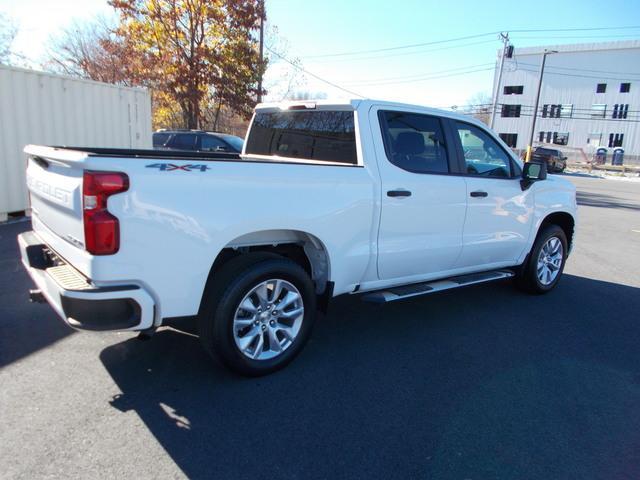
{"x": 311, "y": 28}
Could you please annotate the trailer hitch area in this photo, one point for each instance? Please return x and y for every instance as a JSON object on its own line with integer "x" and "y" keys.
{"x": 36, "y": 296}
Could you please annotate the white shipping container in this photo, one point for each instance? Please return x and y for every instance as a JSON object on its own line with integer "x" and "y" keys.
{"x": 46, "y": 109}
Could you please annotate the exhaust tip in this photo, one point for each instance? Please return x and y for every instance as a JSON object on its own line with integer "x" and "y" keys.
{"x": 36, "y": 296}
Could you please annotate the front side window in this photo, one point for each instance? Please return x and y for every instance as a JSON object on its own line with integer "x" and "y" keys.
{"x": 414, "y": 142}
{"x": 321, "y": 135}
{"x": 482, "y": 155}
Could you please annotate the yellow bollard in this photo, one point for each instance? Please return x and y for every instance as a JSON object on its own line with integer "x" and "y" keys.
{"x": 527, "y": 157}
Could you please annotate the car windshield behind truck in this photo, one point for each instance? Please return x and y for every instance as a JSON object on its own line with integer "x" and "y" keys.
{"x": 311, "y": 135}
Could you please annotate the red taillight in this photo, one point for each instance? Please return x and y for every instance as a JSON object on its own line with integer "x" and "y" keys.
{"x": 101, "y": 228}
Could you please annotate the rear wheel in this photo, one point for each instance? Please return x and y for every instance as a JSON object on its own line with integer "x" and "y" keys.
{"x": 544, "y": 266}
{"x": 258, "y": 313}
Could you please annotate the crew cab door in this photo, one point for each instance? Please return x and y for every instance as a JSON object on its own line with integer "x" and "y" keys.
{"x": 499, "y": 211}
{"x": 423, "y": 206}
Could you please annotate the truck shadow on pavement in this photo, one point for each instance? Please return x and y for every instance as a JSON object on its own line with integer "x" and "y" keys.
{"x": 588, "y": 199}
{"x": 24, "y": 328}
{"x": 479, "y": 383}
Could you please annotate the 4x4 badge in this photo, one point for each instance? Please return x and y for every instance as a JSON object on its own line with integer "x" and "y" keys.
{"x": 168, "y": 167}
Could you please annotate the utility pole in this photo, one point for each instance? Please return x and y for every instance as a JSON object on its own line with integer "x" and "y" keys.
{"x": 505, "y": 41}
{"x": 261, "y": 48}
{"x": 535, "y": 107}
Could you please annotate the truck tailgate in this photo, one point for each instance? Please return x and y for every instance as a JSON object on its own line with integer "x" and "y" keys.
{"x": 55, "y": 187}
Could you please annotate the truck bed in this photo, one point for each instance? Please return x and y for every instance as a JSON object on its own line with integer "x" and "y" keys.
{"x": 150, "y": 153}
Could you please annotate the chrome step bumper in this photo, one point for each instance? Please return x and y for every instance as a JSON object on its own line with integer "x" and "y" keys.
{"x": 80, "y": 303}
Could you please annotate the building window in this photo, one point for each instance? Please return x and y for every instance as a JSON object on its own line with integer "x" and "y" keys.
{"x": 557, "y": 111}
{"x": 513, "y": 89}
{"x": 549, "y": 110}
{"x": 548, "y": 137}
{"x": 625, "y": 87}
{"x": 615, "y": 140}
{"x": 620, "y": 110}
{"x": 541, "y": 136}
{"x": 511, "y": 139}
{"x": 560, "y": 138}
{"x": 598, "y": 110}
{"x": 601, "y": 88}
{"x": 511, "y": 110}
{"x": 566, "y": 110}
{"x": 594, "y": 139}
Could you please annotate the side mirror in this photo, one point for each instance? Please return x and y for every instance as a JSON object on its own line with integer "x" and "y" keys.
{"x": 533, "y": 172}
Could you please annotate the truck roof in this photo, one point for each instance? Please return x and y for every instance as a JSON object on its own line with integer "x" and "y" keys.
{"x": 361, "y": 103}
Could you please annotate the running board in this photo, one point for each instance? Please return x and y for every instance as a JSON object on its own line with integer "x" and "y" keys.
{"x": 415, "y": 289}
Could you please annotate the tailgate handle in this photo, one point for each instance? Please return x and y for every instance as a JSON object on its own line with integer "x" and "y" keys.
{"x": 41, "y": 161}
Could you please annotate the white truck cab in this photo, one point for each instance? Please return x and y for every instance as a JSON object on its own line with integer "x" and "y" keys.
{"x": 327, "y": 198}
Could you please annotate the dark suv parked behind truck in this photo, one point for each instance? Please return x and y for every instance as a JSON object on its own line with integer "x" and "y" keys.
{"x": 555, "y": 159}
{"x": 197, "y": 140}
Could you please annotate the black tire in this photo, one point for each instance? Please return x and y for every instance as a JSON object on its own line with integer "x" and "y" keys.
{"x": 224, "y": 292}
{"x": 526, "y": 276}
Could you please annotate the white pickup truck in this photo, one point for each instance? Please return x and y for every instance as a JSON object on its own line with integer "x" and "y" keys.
{"x": 363, "y": 197}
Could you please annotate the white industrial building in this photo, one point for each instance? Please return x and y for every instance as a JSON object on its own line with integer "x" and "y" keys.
{"x": 590, "y": 98}
{"x": 42, "y": 108}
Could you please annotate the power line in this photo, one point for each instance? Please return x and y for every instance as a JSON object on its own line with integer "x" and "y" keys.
{"x": 420, "y": 75}
{"x": 581, "y": 69}
{"x": 619, "y": 120}
{"x": 398, "y": 82}
{"x": 401, "y": 47}
{"x": 599, "y": 77}
{"x": 402, "y": 54}
{"x": 294, "y": 65}
{"x": 468, "y": 37}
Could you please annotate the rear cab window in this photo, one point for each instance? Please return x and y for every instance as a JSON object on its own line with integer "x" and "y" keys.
{"x": 309, "y": 135}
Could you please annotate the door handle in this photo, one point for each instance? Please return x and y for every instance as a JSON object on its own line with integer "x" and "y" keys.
{"x": 398, "y": 193}
{"x": 479, "y": 193}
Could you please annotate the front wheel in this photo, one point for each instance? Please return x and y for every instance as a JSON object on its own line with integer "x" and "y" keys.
{"x": 258, "y": 314}
{"x": 544, "y": 266}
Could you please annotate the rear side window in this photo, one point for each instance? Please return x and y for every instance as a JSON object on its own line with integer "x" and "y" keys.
{"x": 414, "y": 142}
{"x": 309, "y": 135}
{"x": 183, "y": 141}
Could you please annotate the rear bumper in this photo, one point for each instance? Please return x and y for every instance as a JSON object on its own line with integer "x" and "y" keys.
{"x": 76, "y": 300}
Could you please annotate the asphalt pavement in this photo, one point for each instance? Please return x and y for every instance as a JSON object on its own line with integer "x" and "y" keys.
{"x": 477, "y": 383}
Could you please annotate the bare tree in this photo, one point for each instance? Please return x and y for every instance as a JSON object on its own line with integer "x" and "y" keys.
{"x": 8, "y": 31}
{"x": 91, "y": 50}
{"x": 479, "y": 105}
{"x": 283, "y": 78}
{"x": 307, "y": 95}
